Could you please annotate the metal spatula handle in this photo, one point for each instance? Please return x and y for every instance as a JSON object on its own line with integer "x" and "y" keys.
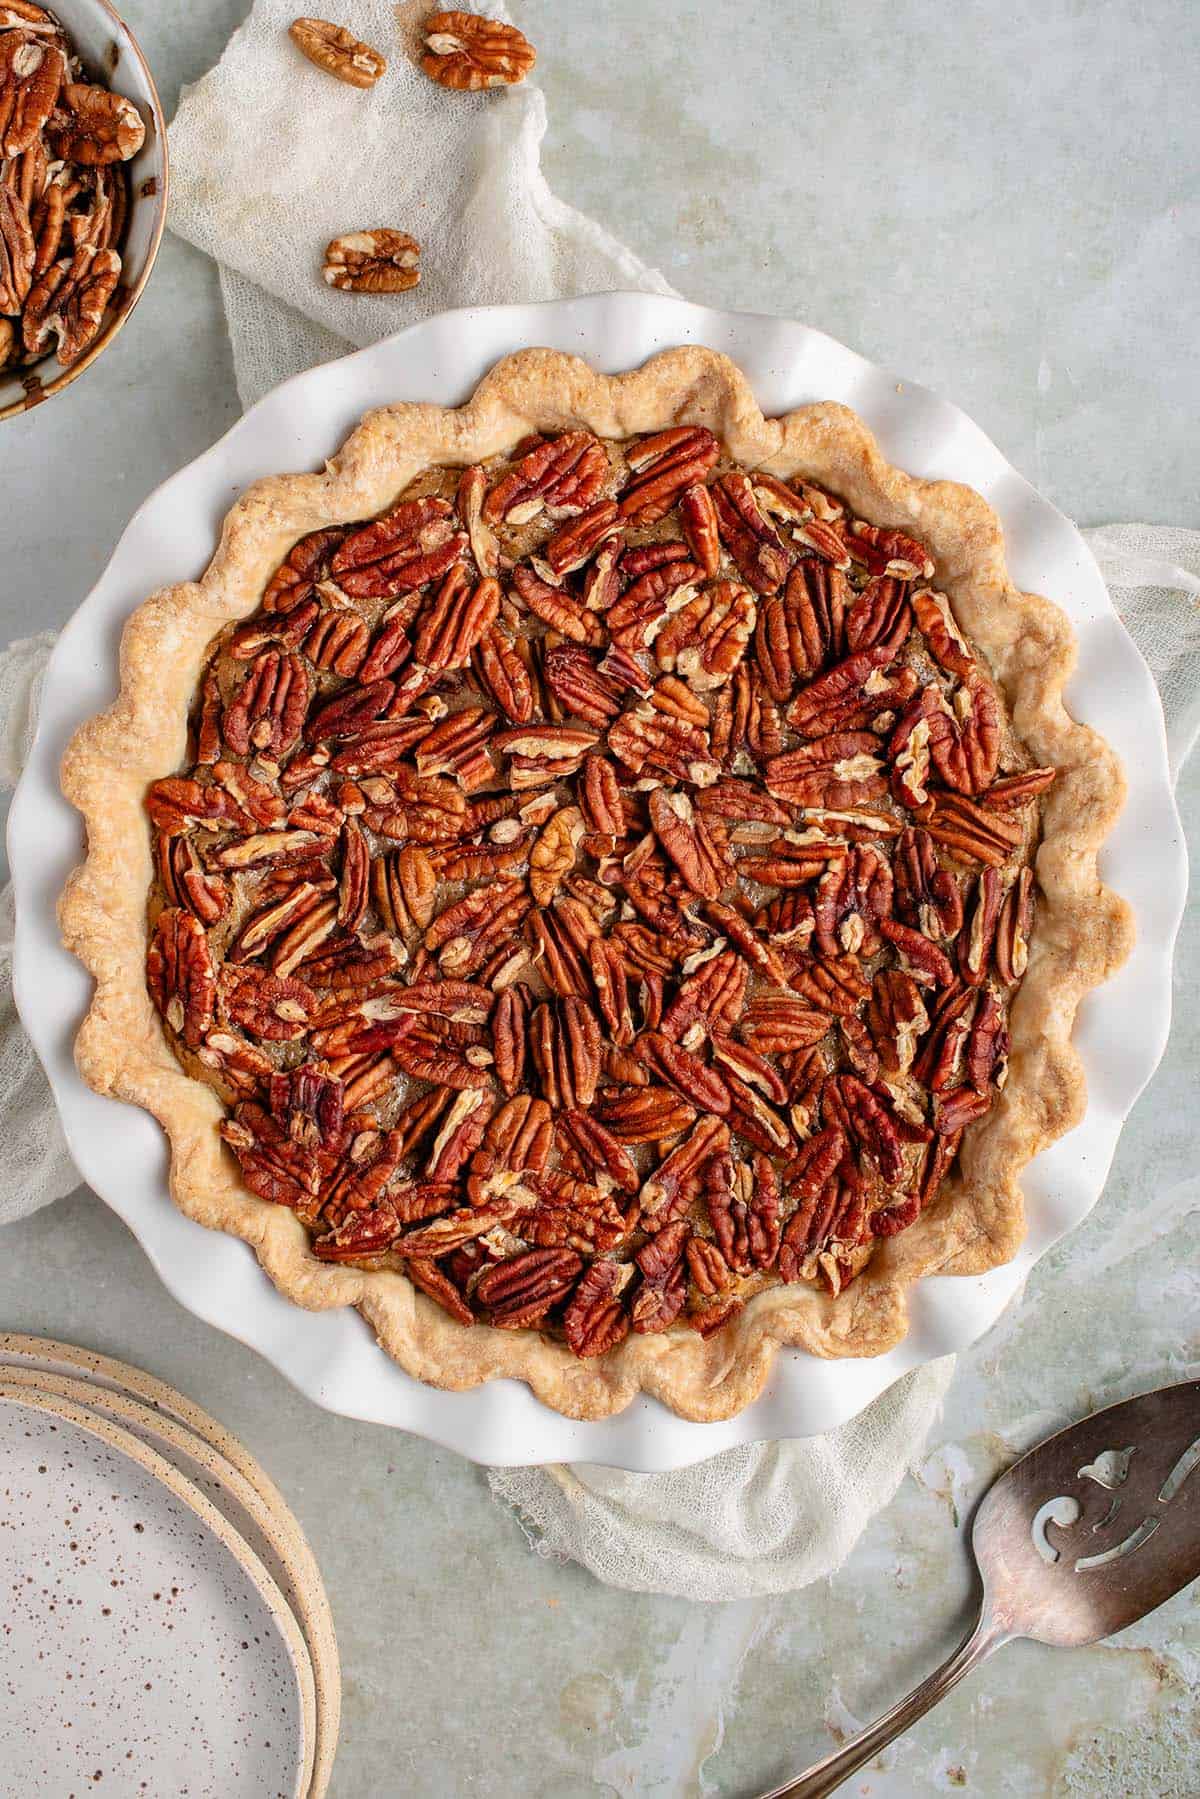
{"x": 824, "y": 1776}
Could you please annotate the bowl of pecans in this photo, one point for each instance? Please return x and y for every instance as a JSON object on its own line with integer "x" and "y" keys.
{"x": 83, "y": 190}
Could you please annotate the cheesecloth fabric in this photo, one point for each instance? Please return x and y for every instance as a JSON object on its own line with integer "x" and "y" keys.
{"x": 262, "y": 191}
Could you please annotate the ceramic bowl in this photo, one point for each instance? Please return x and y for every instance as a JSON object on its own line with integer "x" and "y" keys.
{"x": 110, "y": 53}
{"x": 1120, "y": 1032}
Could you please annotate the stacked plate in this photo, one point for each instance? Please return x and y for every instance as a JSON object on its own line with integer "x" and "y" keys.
{"x": 166, "y": 1628}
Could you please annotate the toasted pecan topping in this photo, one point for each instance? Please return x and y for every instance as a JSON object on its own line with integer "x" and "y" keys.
{"x": 599, "y": 886}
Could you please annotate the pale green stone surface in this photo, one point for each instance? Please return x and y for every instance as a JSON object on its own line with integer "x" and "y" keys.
{"x": 998, "y": 200}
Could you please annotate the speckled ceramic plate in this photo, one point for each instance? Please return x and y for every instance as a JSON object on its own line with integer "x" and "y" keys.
{"x": 269, "y": 1529}
{"x": 1121, "y": 1029}
{"x": 147, "y": 1649}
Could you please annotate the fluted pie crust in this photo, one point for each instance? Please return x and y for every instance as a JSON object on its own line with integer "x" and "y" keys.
{"x": 1081, "y": 934}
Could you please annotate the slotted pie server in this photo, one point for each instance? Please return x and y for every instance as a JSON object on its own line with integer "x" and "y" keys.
{"x": 1085, "y": 1534}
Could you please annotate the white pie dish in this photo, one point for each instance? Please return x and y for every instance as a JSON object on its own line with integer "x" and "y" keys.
{"x": 1122, "y": 1026}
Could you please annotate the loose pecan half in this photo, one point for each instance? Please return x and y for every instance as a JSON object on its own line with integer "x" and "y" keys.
{"x": 563, "y": 475}
{"x": 669, "y": 1192}
{"x": 565, "y": 1046}
{"x": 522, "y": 1289}
{"x": 743, "y": 1204}
{"x": 467, "y": 52}
{"x": 1012, "y": 931}
{"x": 660, "y": 1296}
{"x": 337, "y": 51}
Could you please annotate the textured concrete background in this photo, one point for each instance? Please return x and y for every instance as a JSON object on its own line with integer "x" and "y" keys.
{"x": 998, "y": 200}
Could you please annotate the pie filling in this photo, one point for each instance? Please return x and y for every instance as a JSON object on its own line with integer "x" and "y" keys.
{"x": 598, "y": 887}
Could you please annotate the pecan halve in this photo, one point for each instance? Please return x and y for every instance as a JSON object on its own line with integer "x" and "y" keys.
{"x": 553, "y": 854}
{"x": 180, "y": 975}
{"x": 882, "y": 550}
{"x": 708, "y": 1268}
{"x": 698, "y": 521}
{"x": 967, "y": 754}
{"x": 267, "y": 715}
{"x": 581, "y": 688}
{"x": 927, "y": 896}
{"x": 358, "y": 1236}
{"x": 833, "y": 984}
{"x": 864, "y": 1119}
{"x": 743, "y": 1203}
{"x": 406, "y": 548}
{"x": 671, "y": 1189}
{"x": 380, "y": 261}
{"x": 595, "y": 1321}
{"x": 663, "y": 465}
{"x": 701, "y": 1086}
{"x": 434, "y": 1281}
{"x": 565, "y": 1046}
{"x": 455, "y": 619}
{"x": 467, "y": 52}
{"x": 709, "y": 998}
{"x": 841, "y": 769}
{"x": 880, "y": 617}
{"x": 975, "y": 943}
{"x": 747, "y": 533}
{"x": 1015, "y": 791}
{"x": 689, "y": 841}
{"x": 852, "y": 897}
{"x": 988, "y": 1045}
{"x": 576, "y": 542}
{"x": 31, "y": 75}
{"x": 337, "y": 51}
{"x": 502, "y": 672}
{"x": 970, "y": 831}
{"x": 928, "y": 965}
{"x": 896, "y": 1018}
{"x": 644, "y": 1114}
{"x": 781, "y": 1022}
{"x": 69, "y": 302}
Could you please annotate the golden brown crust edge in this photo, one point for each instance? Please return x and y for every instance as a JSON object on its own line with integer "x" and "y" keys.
{"x": 1082, "y": 930}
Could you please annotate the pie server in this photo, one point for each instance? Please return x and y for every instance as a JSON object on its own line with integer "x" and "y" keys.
{"x": 1087, "y": 1533}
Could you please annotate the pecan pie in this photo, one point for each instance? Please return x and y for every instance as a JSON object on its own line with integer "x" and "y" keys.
{"x": 600, "y": 880}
